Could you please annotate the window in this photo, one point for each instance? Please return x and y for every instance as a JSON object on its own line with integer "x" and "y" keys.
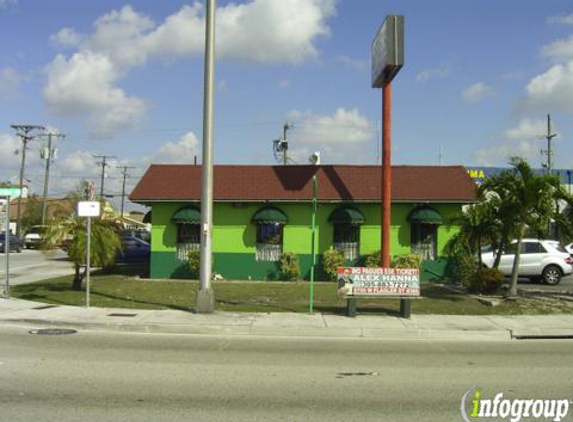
{"x": 269, "y": 241}
{"x": 534, "y": 247}
{"x": 425, "y": 240}
{"x": 188, "y": 239}
{"x": 270, "y": 222}
{"x": 346, "y": 222}
{"x": 347, "y": 240}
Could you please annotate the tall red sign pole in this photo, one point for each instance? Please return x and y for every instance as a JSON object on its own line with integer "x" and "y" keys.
{"x": 387, "y": 60}
{"x": 386, "y": 172}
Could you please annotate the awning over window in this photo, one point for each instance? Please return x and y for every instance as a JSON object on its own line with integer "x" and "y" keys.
{"x": 269, "y": 215}
{"x": 188, "y": 215}
{"x": 346, "y": 215}
{"x": 425, "y": 214}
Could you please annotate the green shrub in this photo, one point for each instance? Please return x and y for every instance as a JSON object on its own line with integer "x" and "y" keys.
{"x": 289, "y": 266}
{"x": 331, "y": 260}
{"x": 194, "y": 262}
{"x": 486, "y": 280}
{"x": 411, "y": 260}
{"x": 464, "y": 268}
{"x": 372, "y": 260}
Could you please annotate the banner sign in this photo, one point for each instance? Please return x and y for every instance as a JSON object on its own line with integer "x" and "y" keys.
{"x": 378, "y": 282}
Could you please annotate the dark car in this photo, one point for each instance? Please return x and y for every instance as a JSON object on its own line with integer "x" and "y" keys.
{"x": 15, "y": 243}
{"x": 136, "y": 248}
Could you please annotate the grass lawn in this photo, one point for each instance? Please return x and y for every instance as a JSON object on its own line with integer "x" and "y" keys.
{"x": 120, "y": 291}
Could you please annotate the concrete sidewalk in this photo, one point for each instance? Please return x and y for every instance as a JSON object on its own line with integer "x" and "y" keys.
{"x": 419, "y": 327}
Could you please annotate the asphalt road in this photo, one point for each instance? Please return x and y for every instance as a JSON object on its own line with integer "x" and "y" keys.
{"x": 33, "y": 265}
{"x": 92, "y": 376}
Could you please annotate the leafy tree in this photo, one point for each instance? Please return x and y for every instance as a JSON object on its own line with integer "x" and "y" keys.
{"x": 33, "y": 214}
{"x": 71, "y": 230}
{"x": 527, "y": 202}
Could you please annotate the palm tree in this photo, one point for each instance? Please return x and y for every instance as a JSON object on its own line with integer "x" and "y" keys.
{"x": 71, "y": 230}
{"x": 527, "y": 201}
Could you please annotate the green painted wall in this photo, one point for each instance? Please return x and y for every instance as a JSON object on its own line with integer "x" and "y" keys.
{"x": 234, "y": 237}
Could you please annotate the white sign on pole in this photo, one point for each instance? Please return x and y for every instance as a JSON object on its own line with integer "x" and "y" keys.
{"x": 89, "y": 209}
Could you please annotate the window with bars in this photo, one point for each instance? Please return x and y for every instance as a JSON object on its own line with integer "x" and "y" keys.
{"x": 424, "y": 240}
{"x": 346, "y": 238}
{"x": 188, "y": 239}
{"x": 269, "y": 242}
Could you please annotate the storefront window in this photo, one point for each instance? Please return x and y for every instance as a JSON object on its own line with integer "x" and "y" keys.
{"x": 425, "y": 240}
{"x": 347, "y": 240}
{"x": 188, "y": 239}
{"x": 269, "y": 241}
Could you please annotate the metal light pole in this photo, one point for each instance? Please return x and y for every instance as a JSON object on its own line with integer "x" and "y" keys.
{"x": 205, "y": 299}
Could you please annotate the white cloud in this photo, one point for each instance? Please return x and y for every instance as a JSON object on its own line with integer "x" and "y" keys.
{"x": 8, "y": 145}
{"x": 561, "y": 19}
{"x": 4, "y": 4}
{"x": 9, "y": 83}
{"x": 522, "y": 141}
{"x": 551, "y": 90}
{"x": 526, "y": 129}
{"x": 352, "y": 63}
{"x": 67, "y": 37}
{"x": 442, "y": 71}
{"x": 478, "y": 92}
{"x": 560, "y": 51}
{"x": 84, "y": 84}
{"x": 340, "y": 137}
{"x": 181, "y": 152}
{"x": 263, "y": 31}
{"x": 284, "y": 83}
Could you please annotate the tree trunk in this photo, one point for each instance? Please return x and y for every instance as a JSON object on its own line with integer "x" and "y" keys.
{"x": 515, "y": 269}
{"x": 480, "y": 262}
{"x": 78, "y": 278}
{"x": 499, "y": 252}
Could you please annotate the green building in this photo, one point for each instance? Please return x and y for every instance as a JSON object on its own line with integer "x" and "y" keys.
{"x": 262, "y": 211}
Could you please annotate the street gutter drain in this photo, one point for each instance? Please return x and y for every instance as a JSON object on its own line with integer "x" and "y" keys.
{"x": 53, "y": 331}
{"x": 39, "y": 308}
{"x": 122, "y": 315}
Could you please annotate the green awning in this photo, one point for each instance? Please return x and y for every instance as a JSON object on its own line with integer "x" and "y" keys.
{"x": 346, "y": 215}
{"x": 426, "y": 215}
{"x": 269, "y": 215}
{"x": 189, "y": 215}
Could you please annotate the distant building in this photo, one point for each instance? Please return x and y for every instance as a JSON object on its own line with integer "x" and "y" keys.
{"x": 478, "y": 174}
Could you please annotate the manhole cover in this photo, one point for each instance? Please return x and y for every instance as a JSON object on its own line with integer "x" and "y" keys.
{"x": 53, "y": 331}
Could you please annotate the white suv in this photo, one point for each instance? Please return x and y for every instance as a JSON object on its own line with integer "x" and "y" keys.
{"x": 543, "y": 260}
{"x": 34, "y": 237}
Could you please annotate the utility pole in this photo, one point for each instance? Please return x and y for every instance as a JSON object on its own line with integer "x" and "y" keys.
{"x": 124, "y": 172}
{"x": 23, "y": 132}
{"x": 286, "y": 127}
{"x": 550, "y": 135}
{"x": 48, "y": 154}
{"x": 103, "y": 163}
{"x": 205, "y": 298}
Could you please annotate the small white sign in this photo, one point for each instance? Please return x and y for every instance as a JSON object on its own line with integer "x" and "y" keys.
{"x": 88, "y": 209}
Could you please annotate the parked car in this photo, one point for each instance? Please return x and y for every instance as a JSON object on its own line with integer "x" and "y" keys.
{"x": 541, "y": 260}
{"x": 34, "y": 237}
{"x": 15, "y": 243}
{"x": 135, "y": 248}
{"x": 569, "y": 248}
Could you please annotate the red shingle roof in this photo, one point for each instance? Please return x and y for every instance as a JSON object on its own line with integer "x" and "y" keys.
{"x": 291, "y": 183}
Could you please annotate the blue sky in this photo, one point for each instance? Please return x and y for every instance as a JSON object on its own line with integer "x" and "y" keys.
{"x": 126, "y": 79}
